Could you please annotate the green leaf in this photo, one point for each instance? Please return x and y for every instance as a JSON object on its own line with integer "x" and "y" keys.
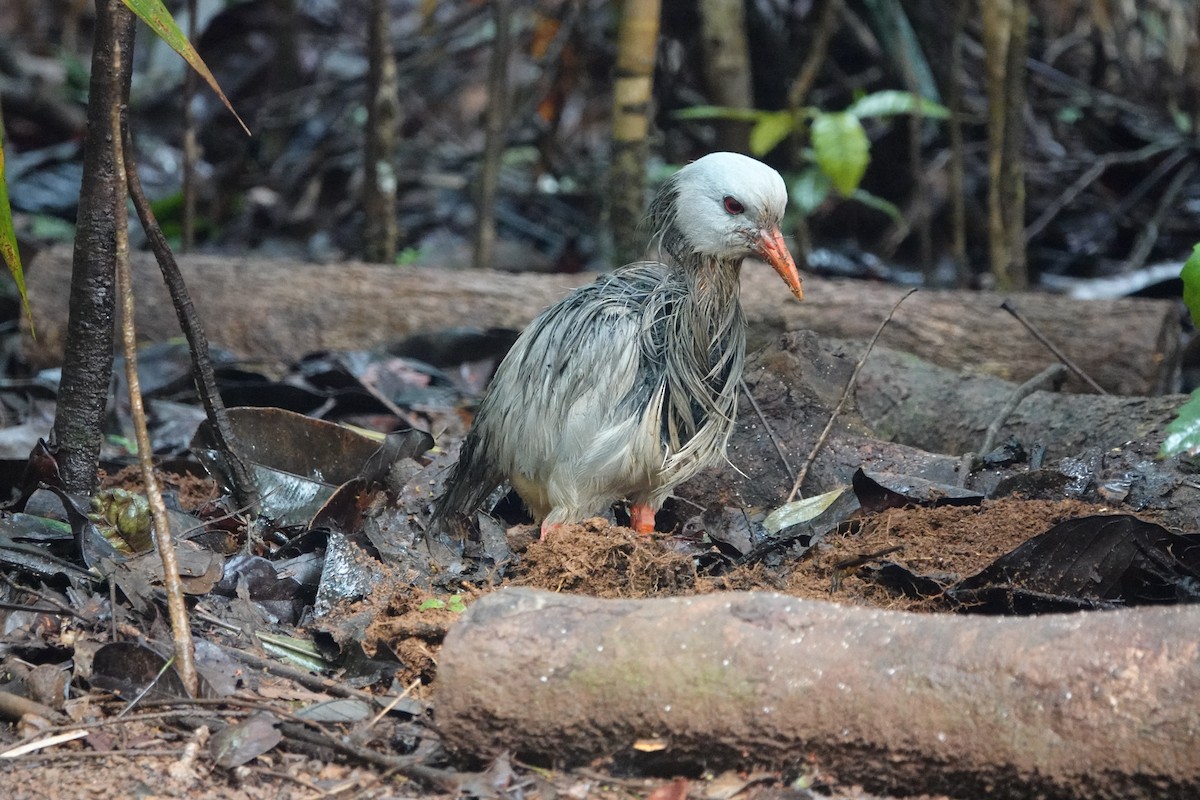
{"x": 841, "y": 148}
{"x": 8, "y": 239}
{"x": 432, "y": 603}
{"x": 771, "y": 129}
{"x": 1183, "y": 433}
{"x": 155, "y": 14}
{"x": 457, "y": 604}
{"x": 878, "y": 203}
{"x": 891, "y": 102}
{"x": 810, "y": 190}
{"x": 720, "y": 112}
{"x": 1191, "y": 285}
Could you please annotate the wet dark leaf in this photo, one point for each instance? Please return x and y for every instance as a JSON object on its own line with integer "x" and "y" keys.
{"x": 297, "y": 460}
{"x": 245, "y": 741}
{"x": 454, "y": 346}
{"x": 343, "y": 709}
{"x": 129, "y": 668}
{"x": 902, "y": 580}
{"x": 877, "y": 491}
{"x": 1090, "y": 562}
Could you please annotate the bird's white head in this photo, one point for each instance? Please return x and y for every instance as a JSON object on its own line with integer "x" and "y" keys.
{"x": 728, "y": 206}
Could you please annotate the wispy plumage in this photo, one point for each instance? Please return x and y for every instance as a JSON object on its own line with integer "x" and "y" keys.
{"x": 628, "y": 386}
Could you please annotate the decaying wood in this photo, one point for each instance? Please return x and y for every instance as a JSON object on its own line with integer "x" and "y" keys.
{"x": 277, "y": 310}
{"x": 904, "y": 405}
{"x": 906, "y": 399}
{"x": 1097, "y": 705}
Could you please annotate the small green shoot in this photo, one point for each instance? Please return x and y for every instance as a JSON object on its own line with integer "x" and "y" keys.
{"x": 8, "y": 239}
{"x": 1183, "y": 433}
{"x": 456, "y": 603}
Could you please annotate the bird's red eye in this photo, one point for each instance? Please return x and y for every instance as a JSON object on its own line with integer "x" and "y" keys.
{"x": 733, "y": 206}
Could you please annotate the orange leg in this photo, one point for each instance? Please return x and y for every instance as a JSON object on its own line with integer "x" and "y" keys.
{"x": 547, "y": 527}
{"x": 641, "y": 518}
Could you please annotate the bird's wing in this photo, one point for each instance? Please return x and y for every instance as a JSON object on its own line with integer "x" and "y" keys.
{"x": 587, "y": 367}
{"x": 568, "y": 398}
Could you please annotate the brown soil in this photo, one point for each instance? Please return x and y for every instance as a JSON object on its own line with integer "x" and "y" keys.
{"x": 150, "y": 758}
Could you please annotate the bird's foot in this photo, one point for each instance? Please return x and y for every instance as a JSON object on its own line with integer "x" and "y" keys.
{"x": 641, "y": 518}
{"x": 546, "y": 528}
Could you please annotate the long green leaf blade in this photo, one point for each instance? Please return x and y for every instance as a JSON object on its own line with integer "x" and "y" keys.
{"x": 1191, "y": 285}
{"x": 8, "y": 239}
{"x": 720, "y": 112}
{"x": 891, "y": 102}
{"x": 155, "y": 14}
{"x": 1183, "y": 433}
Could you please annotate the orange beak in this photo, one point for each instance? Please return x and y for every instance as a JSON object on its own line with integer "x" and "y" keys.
{"x": 772, "y": 250}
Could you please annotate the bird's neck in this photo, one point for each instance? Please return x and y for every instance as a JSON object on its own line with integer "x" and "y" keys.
{"x": 714, "y": 288}
{"x": 707, "y": 336}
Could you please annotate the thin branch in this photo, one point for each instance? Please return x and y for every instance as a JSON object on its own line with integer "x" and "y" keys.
{"x": 241, "y": 479}
{"x": 1149, "y": 234}
{"x": 191, "y": 148}
{"x": 826, "y": 27}
{"x": 1089, "y": 176}
{"x": 958, "y": 192}
{"x": 1011, "y": 308}
{"x": 812, "y": 456}
{"x": 1052, "y": 375}
{"x": 767, "y": 427}
{"x": 177, "y": 610}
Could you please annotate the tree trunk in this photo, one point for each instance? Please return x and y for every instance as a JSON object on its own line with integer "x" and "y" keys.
{"x": 88, "y": 353}
{"x": 637, "y": 42}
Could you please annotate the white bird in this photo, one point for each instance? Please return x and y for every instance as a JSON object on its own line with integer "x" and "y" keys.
{"x": 628, "y": 386}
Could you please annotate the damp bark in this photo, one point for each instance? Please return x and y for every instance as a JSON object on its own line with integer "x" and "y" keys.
{"x": 88, "y": 352}
{"x": 1087, "y": 705}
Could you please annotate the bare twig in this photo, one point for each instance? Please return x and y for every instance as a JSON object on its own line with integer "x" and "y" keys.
{"x": 180, "y": 629}
{"x": 191, "y": 149}
{"x": 242, "y": 483}
{"x": 1089, "y": 176}
{"x": 1052, "y": 375}
{"x": 965, "y": 464}
{"x": 1135, "y": 196}
{"x": 826, "y": 27}
{"x": 1149, "y": 234}
{"x": 1011, "y": 308}
{"x": 767, "y": 427}
{"x": 316, "y": 683}
{"x": 14, "y": 706}
{"x": 60, "y": 608}
{"x": 916, "y": 163}
{"x": 812, "y": 456}
{"x": 958, "y": 196}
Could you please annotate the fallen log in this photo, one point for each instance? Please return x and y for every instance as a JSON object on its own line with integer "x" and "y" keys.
{"x": 908, "y": 400}
{"x": 1097, "y": 705}
{"x": 798, "y": 380}
{"x": 280, "y": 310}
